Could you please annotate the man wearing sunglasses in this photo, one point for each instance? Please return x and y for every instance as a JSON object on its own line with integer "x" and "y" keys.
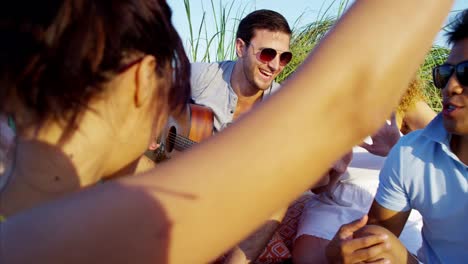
{"x": 426, "y": 171}
{"x": 232, "y": 88}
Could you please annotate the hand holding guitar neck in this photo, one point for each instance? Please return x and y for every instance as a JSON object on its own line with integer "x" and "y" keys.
{"x": 181, "y": 132}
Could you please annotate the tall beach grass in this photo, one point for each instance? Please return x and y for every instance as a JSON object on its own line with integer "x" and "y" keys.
{"x": 213, "y": 38}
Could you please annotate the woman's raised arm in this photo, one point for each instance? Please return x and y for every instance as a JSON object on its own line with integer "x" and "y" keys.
{"x": 192, "y": 209}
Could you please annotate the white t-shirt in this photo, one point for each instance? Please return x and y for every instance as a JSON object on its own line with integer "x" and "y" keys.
{"x": 323, "y": 217}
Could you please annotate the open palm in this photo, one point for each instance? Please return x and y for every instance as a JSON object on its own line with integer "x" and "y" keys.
{"x": 385, "y": 138}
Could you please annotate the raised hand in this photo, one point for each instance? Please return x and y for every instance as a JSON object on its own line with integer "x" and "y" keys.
{"x": 383, "y": 141}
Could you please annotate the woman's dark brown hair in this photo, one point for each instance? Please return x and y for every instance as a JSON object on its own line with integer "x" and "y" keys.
{"x": 55, "y": 55}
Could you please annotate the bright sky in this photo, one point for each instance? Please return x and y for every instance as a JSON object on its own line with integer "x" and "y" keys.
{"x": 291, "y": 9}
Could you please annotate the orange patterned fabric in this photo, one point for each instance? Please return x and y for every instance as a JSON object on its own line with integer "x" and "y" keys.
{"x": 279, "y": 248}
{"x": 275, "y": 252}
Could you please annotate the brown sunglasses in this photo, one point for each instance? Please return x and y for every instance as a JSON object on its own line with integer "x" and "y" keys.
{"x": 268, "y": 54}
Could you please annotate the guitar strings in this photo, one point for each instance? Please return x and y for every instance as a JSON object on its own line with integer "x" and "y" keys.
{"x": 179, "y": 138}
{"x": 178, "y": 145}
{"x": 180, "y": 141}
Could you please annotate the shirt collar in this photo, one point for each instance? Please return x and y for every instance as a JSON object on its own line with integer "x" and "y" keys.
{"x": 436, "y": 131}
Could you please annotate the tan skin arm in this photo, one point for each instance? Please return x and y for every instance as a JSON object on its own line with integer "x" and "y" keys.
{"x": 250, "y": 249}
{"x": 142, "y": 164}
{"x": 418, "y": 116}
{"x": 172, "y": 214}
{"x": 145, "y": 164}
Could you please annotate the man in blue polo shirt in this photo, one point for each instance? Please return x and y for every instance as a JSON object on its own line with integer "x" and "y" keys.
{"x": 426, "y": 171}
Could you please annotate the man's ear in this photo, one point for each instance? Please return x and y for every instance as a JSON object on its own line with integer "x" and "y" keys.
{"x": 240, "y": 48}
{"x": 145, "y": 80}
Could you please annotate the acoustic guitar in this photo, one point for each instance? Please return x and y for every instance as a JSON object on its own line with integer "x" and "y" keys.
{"x": 193, "y": 125}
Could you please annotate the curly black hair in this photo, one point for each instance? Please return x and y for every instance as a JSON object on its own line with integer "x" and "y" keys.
{"x": 458, "y": 28}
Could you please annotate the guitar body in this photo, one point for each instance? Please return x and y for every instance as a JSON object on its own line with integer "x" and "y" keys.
{"x": 193, "y": 125}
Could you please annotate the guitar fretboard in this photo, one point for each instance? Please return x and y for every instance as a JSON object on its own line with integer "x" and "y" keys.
{"x": 180, "y": 143}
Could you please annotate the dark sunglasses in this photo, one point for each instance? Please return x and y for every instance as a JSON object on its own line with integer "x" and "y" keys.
{"x": 442, "y": 73}
{"x": 268, "y": 54}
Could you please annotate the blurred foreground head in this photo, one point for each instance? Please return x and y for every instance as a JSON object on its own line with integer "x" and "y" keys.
{"x": 57, "y": 57}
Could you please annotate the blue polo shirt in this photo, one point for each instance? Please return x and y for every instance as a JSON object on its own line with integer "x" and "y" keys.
{"x": 422, "y": 173}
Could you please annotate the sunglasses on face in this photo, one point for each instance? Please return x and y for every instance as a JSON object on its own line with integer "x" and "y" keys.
{"x": 268, "y": 54}
{"x": 442, "y": 73}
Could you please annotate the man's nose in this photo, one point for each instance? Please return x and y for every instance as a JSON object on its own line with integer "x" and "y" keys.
{"x": 274, "y": 64}
{"x": 452, "y": 87}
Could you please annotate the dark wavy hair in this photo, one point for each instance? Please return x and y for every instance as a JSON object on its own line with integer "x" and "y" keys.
{"x": 262, "y": 19}
{"x": 55, "y": 55}
{"x": 458, "y": 28}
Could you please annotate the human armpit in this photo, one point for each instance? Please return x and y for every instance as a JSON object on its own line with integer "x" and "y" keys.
{"x": 391, "y": 220}
{"x": 418, "y": 116}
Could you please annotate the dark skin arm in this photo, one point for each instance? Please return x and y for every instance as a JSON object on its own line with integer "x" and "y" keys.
{"x": 392, "y": 220}
{"x": 357, "y": 242}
